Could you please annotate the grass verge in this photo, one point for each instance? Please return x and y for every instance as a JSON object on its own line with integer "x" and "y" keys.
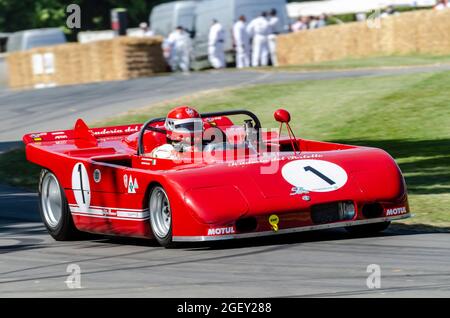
{"x": 391, "y": 61}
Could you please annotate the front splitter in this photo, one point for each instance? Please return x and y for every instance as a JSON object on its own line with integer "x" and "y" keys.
{"x": 288, "y": 231}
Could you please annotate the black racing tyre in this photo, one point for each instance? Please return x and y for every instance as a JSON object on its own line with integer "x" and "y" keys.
{"x": 54, "y": 208}
{"x": 160, "y": 216}
{"x": 367, "y": 229}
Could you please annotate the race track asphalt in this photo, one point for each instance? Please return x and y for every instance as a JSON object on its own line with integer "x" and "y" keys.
{"x": 413, "y": 262}
{"x": 316, "y": 264}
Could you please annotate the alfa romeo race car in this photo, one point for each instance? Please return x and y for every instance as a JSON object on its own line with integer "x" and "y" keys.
{"x": 253, "y": 183}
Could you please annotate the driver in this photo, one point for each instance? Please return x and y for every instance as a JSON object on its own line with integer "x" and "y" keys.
{"x": 184, "y": 127}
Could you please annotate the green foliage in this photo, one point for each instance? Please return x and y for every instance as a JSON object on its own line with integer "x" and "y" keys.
{"x": 341, "y": 18}
{"x": 95, "y": 14}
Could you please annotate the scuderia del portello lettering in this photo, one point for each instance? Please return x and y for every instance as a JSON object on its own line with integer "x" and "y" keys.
{"x": 114, "y": 131}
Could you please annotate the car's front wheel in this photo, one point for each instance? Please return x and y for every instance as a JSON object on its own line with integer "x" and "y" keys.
{"x": 161, "y": 216}
{"x": 54, "y": 208}
{"x": 368, "y": 229}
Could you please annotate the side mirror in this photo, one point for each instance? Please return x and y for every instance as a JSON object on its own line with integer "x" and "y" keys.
{"x": 282, "y": 116}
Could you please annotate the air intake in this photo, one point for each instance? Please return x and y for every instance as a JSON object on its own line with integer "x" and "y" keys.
{"x": 246, "y": 225}
{"x": 372, "y": 210}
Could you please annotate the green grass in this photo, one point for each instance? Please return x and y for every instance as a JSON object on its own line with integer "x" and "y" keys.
{"x": 408, "y": 116}
{"x": 406, "y": 107}
{"x": 370, "y": 62}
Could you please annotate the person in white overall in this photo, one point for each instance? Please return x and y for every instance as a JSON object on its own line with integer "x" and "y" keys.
{"x": 216, "y": 45}
{"x": 242, "y": 42}
{"x": 259, "y": 29}
{"x": 180, "y": 46}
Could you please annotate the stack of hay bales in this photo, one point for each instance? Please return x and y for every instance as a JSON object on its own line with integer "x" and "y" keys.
{"x": 424, "y": 31}
{"x": 117, "y": 59}
{"x": 433, "y": 35}
{"x": 19, "y": 71}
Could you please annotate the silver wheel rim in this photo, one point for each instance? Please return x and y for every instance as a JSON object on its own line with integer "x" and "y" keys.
{"x": 160, "y": 214}
{"x": 51, "y": 200}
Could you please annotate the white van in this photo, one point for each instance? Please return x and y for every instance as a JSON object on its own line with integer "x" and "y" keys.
{"x": 227, "y": 13}
{"x": 164, "y": 18}
{"x": 28, "y": 39}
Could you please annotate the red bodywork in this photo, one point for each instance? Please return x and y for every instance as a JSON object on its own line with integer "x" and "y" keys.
{"x": 232, "y": 198}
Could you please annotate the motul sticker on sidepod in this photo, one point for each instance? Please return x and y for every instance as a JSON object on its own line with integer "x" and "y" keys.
{"x": 314, "y": 175}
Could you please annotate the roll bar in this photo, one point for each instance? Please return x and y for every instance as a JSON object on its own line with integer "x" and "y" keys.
{"x": 147, "y": 125}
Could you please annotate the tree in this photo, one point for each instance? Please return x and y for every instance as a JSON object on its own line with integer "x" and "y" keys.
{"x": 95, "y": 14}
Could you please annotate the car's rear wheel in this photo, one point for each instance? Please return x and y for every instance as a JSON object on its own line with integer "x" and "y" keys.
{"x": 161, "y": 216}
{"x": 368, "y": 229}
{"x": 54, "y": 208}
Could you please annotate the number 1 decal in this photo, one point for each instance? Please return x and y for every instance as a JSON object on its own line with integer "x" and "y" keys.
{"x": 81, "y": 187}
{"x": 314, "y": 175}
{"x": 81, "y": 183}
{"x": 320, "y": 175}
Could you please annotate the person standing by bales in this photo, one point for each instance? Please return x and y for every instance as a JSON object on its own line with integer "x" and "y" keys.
{"x": 275, "y": 29}
{"x": 301, "y": 24}
{"x": 242, "y": 43}
{"x": 145, "y": 30}
{"x": 441, "y": 5}
{"x": 259, "y": 29}
{"x": 180, "y": 49}
{"x": 216, "y": 45}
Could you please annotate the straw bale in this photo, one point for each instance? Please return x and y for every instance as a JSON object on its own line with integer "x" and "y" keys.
{"x": 117, "y": 59}
{"x": 424, "y": 31}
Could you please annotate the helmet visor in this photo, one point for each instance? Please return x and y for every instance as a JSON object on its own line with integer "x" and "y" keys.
{"x": 191, "y": 126}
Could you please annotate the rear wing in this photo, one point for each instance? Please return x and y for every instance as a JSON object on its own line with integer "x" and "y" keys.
{"x": 82, "y": 132}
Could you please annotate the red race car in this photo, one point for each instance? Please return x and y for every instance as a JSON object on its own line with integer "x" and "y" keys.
{"x": 200, "y": 177}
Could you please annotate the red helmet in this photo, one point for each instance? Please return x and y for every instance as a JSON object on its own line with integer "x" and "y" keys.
{"x": 183, "y": 122}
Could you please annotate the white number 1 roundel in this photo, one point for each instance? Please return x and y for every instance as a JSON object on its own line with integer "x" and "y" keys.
{"x": 314, "y": 175}
{"x": 81, "y": 187}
